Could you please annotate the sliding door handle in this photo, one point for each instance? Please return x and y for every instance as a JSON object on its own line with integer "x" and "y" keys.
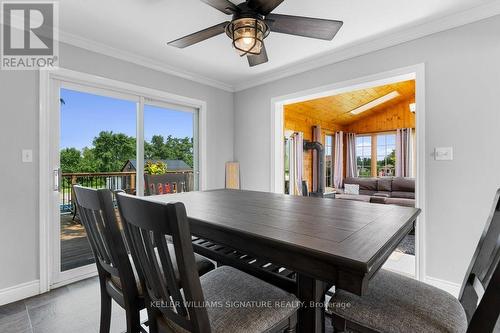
{"x": 57, "y": 179}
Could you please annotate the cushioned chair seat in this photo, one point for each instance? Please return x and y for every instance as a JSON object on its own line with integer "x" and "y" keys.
{"x": 398, "y": 304}
{"x": 203, "y": 264}
{"x": 239, "y": 302}
{"x": 227, "y": 285}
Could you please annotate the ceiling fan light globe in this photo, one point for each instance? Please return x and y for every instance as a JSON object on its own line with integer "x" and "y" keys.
{"x": 247, "y": 35}
{"x": 244, "y": 47}
{"x": 247, "y": 40}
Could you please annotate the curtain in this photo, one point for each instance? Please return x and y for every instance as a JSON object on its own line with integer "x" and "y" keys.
{"x": 296, "y": 162}
{"x": 351, "y": 155}
{"x": 316, "y": 137}
{"x": 404, "y": 152}
{"x": 338, "y": 160}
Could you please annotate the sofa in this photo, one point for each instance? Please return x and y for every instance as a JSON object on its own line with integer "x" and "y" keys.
{"x": 387, "y": 190}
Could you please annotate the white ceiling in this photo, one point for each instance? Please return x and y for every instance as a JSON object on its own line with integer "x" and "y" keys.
{"x": 142, "y": 28}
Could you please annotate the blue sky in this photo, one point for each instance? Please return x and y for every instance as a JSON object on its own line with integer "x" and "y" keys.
{"x": 84, "y": 115}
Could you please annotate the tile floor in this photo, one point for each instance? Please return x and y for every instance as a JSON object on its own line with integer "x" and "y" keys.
{"x": 74, "y": 308}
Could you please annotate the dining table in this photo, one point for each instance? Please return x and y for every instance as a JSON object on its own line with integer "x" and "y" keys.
{"x": 326, "y": 242}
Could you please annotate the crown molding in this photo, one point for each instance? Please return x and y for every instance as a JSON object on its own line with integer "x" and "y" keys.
{"x": 372, "y": 44}
{"x": 90, "y": 45}
{"x": 365, "y": 46}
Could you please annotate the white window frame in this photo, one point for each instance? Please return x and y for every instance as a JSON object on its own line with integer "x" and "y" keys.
{"x": 376, "y": 155}
{"x": 332, "y": 152}
{"x": 371, "y": 150}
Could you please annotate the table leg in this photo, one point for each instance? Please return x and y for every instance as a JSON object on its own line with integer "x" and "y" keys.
{"x": 311, "y": 317}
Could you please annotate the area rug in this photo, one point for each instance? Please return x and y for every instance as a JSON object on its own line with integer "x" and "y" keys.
{"x": 407, "y": 245}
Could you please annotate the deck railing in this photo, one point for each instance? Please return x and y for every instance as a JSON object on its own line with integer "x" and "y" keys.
{"x": 125, "y": 181}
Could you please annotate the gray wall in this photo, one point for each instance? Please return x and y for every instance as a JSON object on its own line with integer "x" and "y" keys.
{"x": 19, "y": 129}
{"x": 462, "y": 92}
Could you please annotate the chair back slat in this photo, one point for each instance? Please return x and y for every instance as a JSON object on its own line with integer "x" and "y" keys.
{"x": 147, "y": 225}
{"x": 154, "y": 266}
{"x": 164, "y": 255}
{"x": 98, "y": 217}
{"x": 99, "y": 229}
{"x": 477, "y": 287}
{"x": 95, "y": 242}
{"x": 134, "y": 235}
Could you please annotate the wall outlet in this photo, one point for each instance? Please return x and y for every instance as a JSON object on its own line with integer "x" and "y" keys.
{"x": 27, "y": 155}
{"x": 443, "y": 154}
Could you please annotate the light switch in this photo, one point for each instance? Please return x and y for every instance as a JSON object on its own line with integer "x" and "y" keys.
{"x": 27, "y": 155}
{"x": 443, "y": 154}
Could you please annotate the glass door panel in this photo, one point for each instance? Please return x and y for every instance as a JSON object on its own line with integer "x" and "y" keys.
{"x": 170, "y": 148}
{"x": 97, "y": 146}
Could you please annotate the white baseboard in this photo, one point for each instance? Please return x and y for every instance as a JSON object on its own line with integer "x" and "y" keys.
{"x": 451, "y": 287}
{"x": 19, "y": 292}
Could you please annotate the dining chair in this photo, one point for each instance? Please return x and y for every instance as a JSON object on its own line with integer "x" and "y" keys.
{"x": 395, "y": 303}
{"x": 117, "y": 274}
{"x": 212, "y": 303}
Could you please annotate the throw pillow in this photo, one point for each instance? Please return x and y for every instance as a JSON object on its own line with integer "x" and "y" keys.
{"x": 351, "y": 189}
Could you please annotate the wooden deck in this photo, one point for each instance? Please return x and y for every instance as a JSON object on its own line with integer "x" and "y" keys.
{"x": 75, "y": 248}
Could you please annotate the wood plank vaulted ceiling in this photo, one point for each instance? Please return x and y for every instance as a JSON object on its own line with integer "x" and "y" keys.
{"x": 337, "y": 109}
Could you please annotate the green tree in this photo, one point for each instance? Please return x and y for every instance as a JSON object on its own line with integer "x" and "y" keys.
{"x": 70, "y": 159}
{"x": 112, "y": 150}
{"x": 179, "y": 149}
{"x": 364, "y": 166}
{"x": 88, "y": 163}
{"x": 388, "y": 161}
{"x": 156, "y": 149}
{"x": 391, "y": 158}
{"x": 169, "y": 149}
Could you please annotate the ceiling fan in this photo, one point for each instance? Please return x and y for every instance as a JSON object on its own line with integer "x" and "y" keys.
{"x": 252, "y": 22}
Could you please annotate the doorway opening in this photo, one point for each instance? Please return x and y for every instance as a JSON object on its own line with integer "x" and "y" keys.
{"x": 370, "y": 134}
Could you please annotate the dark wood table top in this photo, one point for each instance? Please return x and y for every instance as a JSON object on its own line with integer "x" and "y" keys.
{"x": 355, "y": 235}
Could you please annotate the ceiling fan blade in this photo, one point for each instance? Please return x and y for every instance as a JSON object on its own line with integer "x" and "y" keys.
{"x": 304, "y": 26}
{"x": 257, "y": 59}
{"x": 224, "y": 6}
{"x": 264, "y": 7}
{"x": 199, "y": 36}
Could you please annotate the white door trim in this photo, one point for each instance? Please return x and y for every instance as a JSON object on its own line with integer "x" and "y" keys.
{"x": 416, "y": 72}
{"x": 46, "y": 80}
{"x": 44, "y": 182}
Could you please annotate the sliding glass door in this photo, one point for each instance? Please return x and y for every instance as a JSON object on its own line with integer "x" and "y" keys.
{"x": 102, "y": 138}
